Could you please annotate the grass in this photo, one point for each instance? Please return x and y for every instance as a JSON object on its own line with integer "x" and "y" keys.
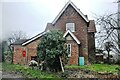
{"x": 26, "y": 71}
{"x": 98, "y": 68}
{"x": 29, "y": 73}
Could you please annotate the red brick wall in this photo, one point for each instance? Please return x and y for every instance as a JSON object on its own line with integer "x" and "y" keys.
{"x": 17, "y": 56}
{"x": 91, "y": 41}
{"x": 70, "y": 15}
{"x": 31, "y": 50}
{"x": 73, "y": 60}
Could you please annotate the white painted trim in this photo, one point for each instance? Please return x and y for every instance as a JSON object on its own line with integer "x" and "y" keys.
{"x": 69, "y": 55}
{"x": 60, "y": 13}
{"x": 73, "y": 36}
{"x": 33, "y": 39}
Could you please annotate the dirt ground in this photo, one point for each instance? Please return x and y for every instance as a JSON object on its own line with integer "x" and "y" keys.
{"x": 11, "y": 75}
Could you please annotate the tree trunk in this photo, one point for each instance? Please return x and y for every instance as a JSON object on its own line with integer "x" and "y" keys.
{"x": 108, "y": 57}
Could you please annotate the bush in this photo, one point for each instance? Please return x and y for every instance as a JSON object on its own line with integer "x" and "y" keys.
{"x": 51, "y": 48}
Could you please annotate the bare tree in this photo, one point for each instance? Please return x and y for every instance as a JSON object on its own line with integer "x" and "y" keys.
{"x": 109, "y": 30}
{"x": 17, "y": 35}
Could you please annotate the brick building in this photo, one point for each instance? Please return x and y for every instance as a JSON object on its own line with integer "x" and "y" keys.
{"x": 77, "y": 29}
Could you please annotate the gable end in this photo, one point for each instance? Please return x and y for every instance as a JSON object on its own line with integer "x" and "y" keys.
{"x": 64, "y": 8}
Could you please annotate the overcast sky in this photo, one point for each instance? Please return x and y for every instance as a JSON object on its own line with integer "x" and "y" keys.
{"x": 31, "y": 16}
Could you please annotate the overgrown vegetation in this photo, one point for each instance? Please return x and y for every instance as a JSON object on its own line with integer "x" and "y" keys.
{"x": 52, "y": 50}
{"x": 98, "y": 68}
{"x": 26, "y": 71}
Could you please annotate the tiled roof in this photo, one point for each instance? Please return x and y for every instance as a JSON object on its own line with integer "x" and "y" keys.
{"x": 33, "y": 38}
{"x": 49, "y": 27}
{"x": 91, "y": 27}
{"x": 27, "y": 41}
{"x": 19, "y": 42}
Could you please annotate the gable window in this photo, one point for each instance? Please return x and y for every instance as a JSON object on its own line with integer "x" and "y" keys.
{"x": 69, "y": 50}
{"x": 70, "y": 26}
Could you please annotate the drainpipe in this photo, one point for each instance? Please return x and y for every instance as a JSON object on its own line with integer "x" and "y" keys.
{"x": 26, "y": 56}
{"x": 78, "y": 53}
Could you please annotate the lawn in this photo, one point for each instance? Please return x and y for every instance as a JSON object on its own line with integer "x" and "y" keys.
{"x": 26, "y": 71}
{"x": 98, "y": 68}
{"x": 29, "y": 73}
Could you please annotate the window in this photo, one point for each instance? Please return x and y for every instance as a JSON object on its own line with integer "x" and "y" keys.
{"x": 70, "y": 26}
{"x": 69, "y": 50}
{"x": 34, "y": 58}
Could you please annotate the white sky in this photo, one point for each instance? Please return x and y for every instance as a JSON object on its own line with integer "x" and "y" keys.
{"x": 31, "y": 16}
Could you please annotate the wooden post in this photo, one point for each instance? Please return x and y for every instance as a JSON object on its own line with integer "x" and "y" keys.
{"x": 61, "y": 65}
{"x": 26, "y": 56}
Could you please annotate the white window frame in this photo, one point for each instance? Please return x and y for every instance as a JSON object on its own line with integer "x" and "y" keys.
{"x": 69, "y": 55}
{"x": 72, "y": 25}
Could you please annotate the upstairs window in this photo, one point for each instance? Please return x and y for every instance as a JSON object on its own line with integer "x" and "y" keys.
{"x": 70, "y": 26}
{"x": 69, "y": 50}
